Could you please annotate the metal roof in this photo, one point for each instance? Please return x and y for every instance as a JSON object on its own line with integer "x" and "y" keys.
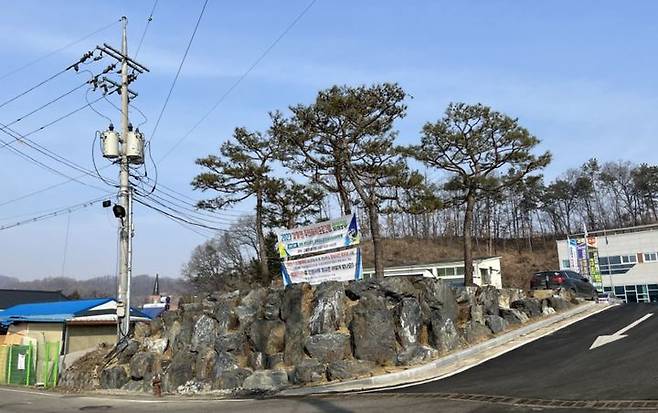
{"x": 60, "y": 311}
{"x": 12, "y": 297}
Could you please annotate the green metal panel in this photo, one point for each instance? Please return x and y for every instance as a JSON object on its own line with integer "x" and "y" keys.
{"x": 21, "y": 367}
{"x": 4, "y": 359}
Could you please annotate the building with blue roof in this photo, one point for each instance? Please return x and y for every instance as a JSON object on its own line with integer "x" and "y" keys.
{"x": 79, "y": 326}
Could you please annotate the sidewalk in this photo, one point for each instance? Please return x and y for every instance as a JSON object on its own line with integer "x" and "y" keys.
{"x": 461, "y": 360}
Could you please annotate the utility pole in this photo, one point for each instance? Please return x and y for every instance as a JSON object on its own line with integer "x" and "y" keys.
{"x": 125, "y": 192}
{"x": 125, "y": 149}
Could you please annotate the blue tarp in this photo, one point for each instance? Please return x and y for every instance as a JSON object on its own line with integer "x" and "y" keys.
{"x": 57, "y": 311}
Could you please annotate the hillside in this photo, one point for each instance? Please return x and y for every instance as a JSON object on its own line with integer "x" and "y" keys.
{"x": 105, "y": 286}
{"x": 518, "y": 263}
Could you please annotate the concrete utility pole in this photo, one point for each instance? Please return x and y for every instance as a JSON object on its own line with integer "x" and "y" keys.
{"x": 125, "y": 200}
{"x": 126, "y": 149}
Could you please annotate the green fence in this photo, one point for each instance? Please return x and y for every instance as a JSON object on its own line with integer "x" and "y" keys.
{"x": 29, "y": 364}
{"x": 4, "y": 358}
{"x": 20, "y": 366}
{"x": 47, "y": 363}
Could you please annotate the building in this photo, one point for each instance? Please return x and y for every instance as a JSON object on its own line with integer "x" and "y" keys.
{"x": 486, "y": 271}
{"x": 10, "y": 297}
{"x": 623, "y": 261}
{"x": 75, "y": 326}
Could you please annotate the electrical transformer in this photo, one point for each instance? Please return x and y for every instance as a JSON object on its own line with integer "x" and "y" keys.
{"x": 135, "y": 147}
{"x": 110, "y": 143}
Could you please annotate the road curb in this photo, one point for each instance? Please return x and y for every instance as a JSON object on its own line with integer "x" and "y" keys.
{"x": 431, "y": 371}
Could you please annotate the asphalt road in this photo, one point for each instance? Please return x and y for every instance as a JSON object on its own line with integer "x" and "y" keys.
{"x": 562, "y": 366}
{"x": 557, "y": 369}
{"x": 21, "y": 401}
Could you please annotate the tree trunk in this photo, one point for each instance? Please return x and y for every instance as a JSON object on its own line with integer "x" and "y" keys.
{"x": 468, "y": 247}
{"x": 378, "y": 248}
{"x": 262, "y": 248}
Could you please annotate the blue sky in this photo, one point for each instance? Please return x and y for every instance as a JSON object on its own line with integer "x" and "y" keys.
{"x": 579, "y": 75}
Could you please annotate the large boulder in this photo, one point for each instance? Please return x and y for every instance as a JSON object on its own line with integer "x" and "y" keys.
{"x": 408, "y": 321}
{"x": 398, "y": 287}
{"x": 443, "y": 334}
{"x": 328, "y": 308}
{"x": 205, "y": 363}
{"x": 156, "y": 345}
{"x": 558, "y": 303}
{"x": 349, "y": 369}
{"x": 204, "y": 333}
{"x": 328, "y": 347}
{"x": 142, "y": 365}
{"x": 295, "y": 311}
{"x": 373, "y": 331}
{"x": 268, "y": 336}
{"x": 477, "y": 313}
{"x": 309, "y": 371}
{"x": 230, "y": 379}
{"x": 251, "y": 307}
{"x": 113, "y": 377}
{"x": 127, "y": 350}
{"x": 437, "y": 295}
{"x": 272, "y": 307}
{"x": 513, "y": 316}
{"x": 266, "y": 381}
{"x": 180, "y": 370}
{"x": 257, "y": 360}
{"x": 416, "y": 354}
{"x": 487, "y": 297}
{"x": 475, "y": 332}
{"x": 232, "y": 342}
{"x": 466, "y": 295}
{"x": 496, "y": 323}
{"x": 506, "y": 296}
{"x": 530, "y": 306}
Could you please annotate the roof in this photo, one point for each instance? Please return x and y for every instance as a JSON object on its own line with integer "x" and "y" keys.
{"x": 61, "y": 311}
{"x": 439, "y": 263}
{"x": 11, "y": 297}
{"x": 153, "y": 312}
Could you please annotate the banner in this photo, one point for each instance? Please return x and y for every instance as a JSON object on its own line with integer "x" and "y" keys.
{"x": 333, "y": 266}
{"x": 573, "y": 254}
{"x": 336, "y": 233}
{"x": 588, "y": 258}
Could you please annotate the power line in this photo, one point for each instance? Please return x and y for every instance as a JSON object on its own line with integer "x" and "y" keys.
{"x": 148, "y": 22}
{"x": 47, "y": 188}
{"x": 66, "y": 242}
{"x": 43, "y": 82}
{"x": 239, "y": 80}
{"x": 180, "y": 67}
{"x": 66, "y": 46}
{"x": 20, "y": 118}
{"x": 175, "y": 217}
{"x": 53, "y": 214}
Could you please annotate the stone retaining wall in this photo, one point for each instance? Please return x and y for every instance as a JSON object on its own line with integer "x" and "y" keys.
{"x": 268, "y": 339}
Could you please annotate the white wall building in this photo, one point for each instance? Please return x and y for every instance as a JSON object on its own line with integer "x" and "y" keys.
{"x": 486, "y": 271}
{"x": 627, "y": 259}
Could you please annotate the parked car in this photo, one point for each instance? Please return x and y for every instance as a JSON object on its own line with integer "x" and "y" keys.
{"x": 568, "y": 280}
{"x": 608, "y": 297}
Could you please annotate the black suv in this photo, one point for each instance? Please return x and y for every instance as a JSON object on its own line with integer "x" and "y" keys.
{"x": 568, "y": 280}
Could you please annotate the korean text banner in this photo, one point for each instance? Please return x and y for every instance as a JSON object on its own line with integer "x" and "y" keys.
{"x": 340, "y": 232}
{"x": 333, "y": 266}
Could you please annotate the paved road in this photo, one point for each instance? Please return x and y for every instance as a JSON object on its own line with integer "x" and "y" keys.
{"x": 14, "y": 401}
{"x": 562, "y": 366}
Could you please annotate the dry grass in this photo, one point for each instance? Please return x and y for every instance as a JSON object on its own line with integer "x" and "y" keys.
{"x": 518, "y": 262}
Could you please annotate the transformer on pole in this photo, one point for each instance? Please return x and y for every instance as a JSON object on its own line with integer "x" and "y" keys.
{"x": 125, "y": 148}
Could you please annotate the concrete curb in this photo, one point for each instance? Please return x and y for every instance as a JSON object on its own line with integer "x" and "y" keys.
{"x": 431, "y": 370}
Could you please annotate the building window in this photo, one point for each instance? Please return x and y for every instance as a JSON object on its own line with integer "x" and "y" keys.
{"x": 460, "y": 270}
{"x": 628, "y": 259}
{"x": 566, "y": 264}
{"x": 650, "y": 257}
